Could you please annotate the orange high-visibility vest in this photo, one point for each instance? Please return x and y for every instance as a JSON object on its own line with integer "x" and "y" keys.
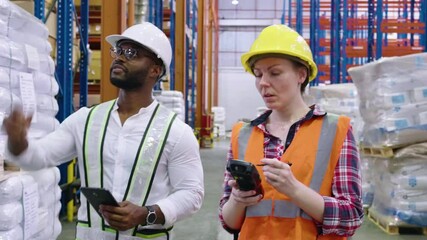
{"x": 314, "y": 153}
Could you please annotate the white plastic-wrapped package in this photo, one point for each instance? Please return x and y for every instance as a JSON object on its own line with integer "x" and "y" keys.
{"x": 368, "y": 185}
{"x": 340, "y": 99}
{"x": 47, "y": 65}
{"x": 8, "y": 101}
{"x": 15, "y": 233}
{"x": 45, "y": 84}
{"x": 401, "y": 186}
{"x": 47, "y": 105}
{"x": 393, "y": 99}
{"x": 338, "y": 91}
{"x": 11, "y": 215}
{"x": 10, "y": 190}
{"x": 47, "y": 180}
{"x": 41, "y": 44}
{"x": 20, "y": 20}
{"x": 12, "y": 55}
{"x": 43, "y": 126}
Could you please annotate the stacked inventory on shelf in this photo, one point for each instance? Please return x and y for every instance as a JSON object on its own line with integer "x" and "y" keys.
{"x": 393, "y": 105}
{"x": 27, "y": 82}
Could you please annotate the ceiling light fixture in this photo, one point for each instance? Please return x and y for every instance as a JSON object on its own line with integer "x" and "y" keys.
{"x": 235, "y": 2}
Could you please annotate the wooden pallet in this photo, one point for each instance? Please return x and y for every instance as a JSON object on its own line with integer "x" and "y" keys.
{"x": 394, "y": 229}
{"x": 382, "y": 152}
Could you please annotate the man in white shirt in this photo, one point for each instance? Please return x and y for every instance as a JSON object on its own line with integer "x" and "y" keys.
{"x": 132, "y": 146}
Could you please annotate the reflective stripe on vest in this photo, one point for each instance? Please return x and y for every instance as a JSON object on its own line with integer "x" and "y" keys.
{"x": 144, "y": 166}
{"x": 284, "y": 208}
{"x": 86, "y": 233}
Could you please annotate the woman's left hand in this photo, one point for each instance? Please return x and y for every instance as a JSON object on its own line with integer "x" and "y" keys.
{"x": 280, "y": 176}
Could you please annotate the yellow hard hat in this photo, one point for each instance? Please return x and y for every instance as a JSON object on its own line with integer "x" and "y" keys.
{"x": 281, "y": 39}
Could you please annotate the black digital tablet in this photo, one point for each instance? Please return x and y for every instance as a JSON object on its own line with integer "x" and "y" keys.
{"x": 98, "y": 196}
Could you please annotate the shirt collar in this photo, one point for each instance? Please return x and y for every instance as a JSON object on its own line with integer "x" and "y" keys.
{"x": 315, "y": 111}
{"x": 149, "y": 108}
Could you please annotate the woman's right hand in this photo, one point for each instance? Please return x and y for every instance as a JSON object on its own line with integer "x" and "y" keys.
{"x": 243, "y": 198}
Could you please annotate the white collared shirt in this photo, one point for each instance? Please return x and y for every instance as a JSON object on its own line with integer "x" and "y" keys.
{"x": 178, "y": 183}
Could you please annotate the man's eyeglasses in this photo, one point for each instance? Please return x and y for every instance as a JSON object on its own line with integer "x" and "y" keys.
{"x": 129, "y": 53}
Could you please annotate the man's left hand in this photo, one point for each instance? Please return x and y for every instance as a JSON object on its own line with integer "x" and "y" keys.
{"x": 125, "y": 217}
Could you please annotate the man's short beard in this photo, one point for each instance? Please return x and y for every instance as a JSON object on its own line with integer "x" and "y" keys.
{"x": 126, "y": 84}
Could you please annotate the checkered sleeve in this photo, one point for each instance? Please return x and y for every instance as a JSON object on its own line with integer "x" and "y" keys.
{"x": 344, "y": 210}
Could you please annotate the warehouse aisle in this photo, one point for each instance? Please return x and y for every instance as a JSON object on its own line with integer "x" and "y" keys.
{"x": 205, "y": 226}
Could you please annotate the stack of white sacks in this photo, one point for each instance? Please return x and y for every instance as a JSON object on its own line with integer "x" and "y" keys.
{"x": 343, "y": 99}
{"x": 393, "y": 99}
{"x": 29, "y": 202}
{"x": 172, "y": 100}
{"x": 393, "y": 105}
{"x": 30, "y": 205}
{"x": 401, "y": 193}
{"x": 340, "y": 99}
{"x": 219, "y": 122}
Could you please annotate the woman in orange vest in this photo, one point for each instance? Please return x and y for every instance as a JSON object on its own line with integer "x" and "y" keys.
{"x": 307, "y": 159}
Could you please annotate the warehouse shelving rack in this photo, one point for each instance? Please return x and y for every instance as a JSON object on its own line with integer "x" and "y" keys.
{"x": 348, "y": 33}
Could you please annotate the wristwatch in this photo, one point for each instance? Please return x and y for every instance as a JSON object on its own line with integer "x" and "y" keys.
{"x": 151, "y": 216}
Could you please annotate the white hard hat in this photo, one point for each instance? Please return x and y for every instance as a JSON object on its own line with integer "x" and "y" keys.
{"x": 150, "y": 37}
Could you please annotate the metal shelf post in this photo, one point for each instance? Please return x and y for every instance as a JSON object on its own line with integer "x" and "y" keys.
{"x": 299, "y": 23}
{"x": 172, "y": 40}
{"x": 39, "y": 9}
{"x": 64, "y": 61}
{"x": 423, "y": 18}
{"x": 314, "y": 37}
{"x": 370, "y": 43}
{"x": 84, "y": 59}
{"x": 379, "y": 43}
{"x": 335, "y": 41}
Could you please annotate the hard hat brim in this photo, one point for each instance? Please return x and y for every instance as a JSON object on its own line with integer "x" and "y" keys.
{"x": 113, "y": 39}
{"x": 246, "y": 56}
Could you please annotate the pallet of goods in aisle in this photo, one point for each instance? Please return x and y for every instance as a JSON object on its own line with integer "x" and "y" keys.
{"x": 393, "y": 105}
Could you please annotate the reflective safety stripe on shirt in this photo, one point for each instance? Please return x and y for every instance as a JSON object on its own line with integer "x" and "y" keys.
{"x": 143, "y": 170}
{"x": 86, "y": 233}
{"x": 284, "y": 208}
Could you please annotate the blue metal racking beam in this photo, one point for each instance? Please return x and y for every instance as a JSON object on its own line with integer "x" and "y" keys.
{"x": 193, "y": 63}
{"x": 371, "y": 16}
{"x": 172, "y": 40}
{"x": 39, "y": 9}
{"x": 282, "y": 18}
{"x": 188, "y": 106}
{"x": 64, "y": 57}
{"x": 423, "y": 18}
{"x": 379, "y": 43}
{"x": 345, "y": 35}
{"x": 84, "y": 58}
{"x": 412, "y": 20}
{"x": 299, "y": 21}
{"x": 314, "y": 36}
{"x": 289, "y": 12}
{"x": 335, "y": 41}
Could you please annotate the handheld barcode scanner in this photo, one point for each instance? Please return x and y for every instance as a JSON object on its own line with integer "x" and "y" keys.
{"x": 246, "y": 175}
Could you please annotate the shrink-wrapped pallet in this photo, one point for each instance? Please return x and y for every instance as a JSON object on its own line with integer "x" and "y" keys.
{"x": 393, "y": 100}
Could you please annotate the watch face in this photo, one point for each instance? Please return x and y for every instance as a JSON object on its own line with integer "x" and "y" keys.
{"x": 151, "y": 217}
